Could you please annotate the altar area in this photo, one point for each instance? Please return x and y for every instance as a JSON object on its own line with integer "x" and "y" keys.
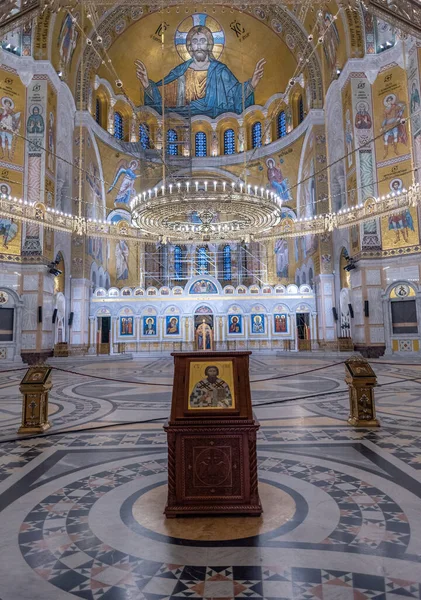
{"x": 202, "y": 315}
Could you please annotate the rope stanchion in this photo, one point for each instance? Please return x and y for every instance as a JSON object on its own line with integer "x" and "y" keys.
{"x": 110, "y": 378}
{"x": 300, "y": 373}
{"x": 276, "y": 377}
{"x": 161, "y": 419}
{"x": 170, "y": 384}
{"x": 398, "y": 364}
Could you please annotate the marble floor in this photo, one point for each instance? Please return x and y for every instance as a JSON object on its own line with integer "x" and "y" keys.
{"x": 81, "y": 506}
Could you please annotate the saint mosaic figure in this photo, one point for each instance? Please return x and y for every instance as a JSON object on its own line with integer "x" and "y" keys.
{"x": 257, "y": 324}
{"x": 201, "y": 85}
{"x": 149, "y": 327}
{"x": 67, "y": 40}
{"x": 393, "y": 128}
{"x": 9, "y": 127}
{"x": 173, "y": 326}
{"x": 35, "y": 122}
{"x": 122, "y": 260}
{"x": 211, "y": 392}
{"x": 234, "y": 326}
{"x": 8, "y": 231}
{"x": 363, "y": 117}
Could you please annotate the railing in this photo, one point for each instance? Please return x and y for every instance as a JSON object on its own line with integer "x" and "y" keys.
{"x": 230, "y": 345}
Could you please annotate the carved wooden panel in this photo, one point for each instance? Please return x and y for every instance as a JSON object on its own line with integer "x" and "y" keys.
{"x": 213, "y": 467}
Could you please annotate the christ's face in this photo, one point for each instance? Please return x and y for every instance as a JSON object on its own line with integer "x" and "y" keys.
{"x": 199, "y": 47}
{"x": 212, "y": 374}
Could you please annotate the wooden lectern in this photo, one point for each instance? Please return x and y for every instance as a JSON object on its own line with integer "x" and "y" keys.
{"x": 212, "y": 461}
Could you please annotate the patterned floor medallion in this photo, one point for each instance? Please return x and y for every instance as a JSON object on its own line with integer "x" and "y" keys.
{"x": 81, "y": 512}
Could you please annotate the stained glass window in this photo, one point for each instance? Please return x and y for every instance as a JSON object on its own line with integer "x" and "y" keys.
{"x": 227, "y": 263}
{"x": 282, "y": 124}
{"x": 202, "y": 261}
{"x": 98, "y": 111}
{"x": 256, "y": 135}
{"x": 201, "y": 144}
{"x": 144, "y": 135}
{"x": 229, "y": 141}
{"x": 118, "y": 126}
{"x": 300, "y": 110}
{"x": 172, "y": 138}
{"x": 178, "y": 263}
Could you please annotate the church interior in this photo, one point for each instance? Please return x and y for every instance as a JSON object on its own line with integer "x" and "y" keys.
{"x": 192, "y": 179}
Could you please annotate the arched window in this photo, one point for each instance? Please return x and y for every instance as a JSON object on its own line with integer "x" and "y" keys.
{"x": 227, "y": 274}
{"x": 178, "y": 263}
{"x": 118, "y": 126}
{"x": 256, "y": 135}
{"x": 144, "y": 135}
{"x": 202, "y": 261}
{"x": 300, "y": 110}
{"x": 172, "y": 147}
{"x": 98, "y": 111}
{"x": 200, "y": 142}
{"x": 282, "y": 124}
{"x": 229, "y": 141}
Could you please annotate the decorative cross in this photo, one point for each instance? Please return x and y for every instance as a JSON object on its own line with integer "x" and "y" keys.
{"x": 33, "y": 406}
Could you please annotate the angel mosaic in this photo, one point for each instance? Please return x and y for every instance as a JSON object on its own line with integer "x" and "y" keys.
{"x": 126, "y": 190}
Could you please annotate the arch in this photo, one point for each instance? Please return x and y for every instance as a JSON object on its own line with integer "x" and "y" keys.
{"x": 300, "y": 109}
{"x": 227, "y": 263}
{"x": 298, "y": 105}
{"x": 172, "y": 142}
{"x": 202, "y": 260}
{"x": 281, "y": 124}
{"x": 98, "y": 110}
{"x": 344, "y": 276}
{"x": 60, "y": 280}
{"x": 302, "y": 307}
{"x": 389, "y": 290}
{"x": 144, "y": 136}
{"x": 256, "y": 134}
{"x": 200, "y": 144}
{"x": 118, "y": 125}
{"x": 102, "y": 103}
{"x": 12, "y": 315}
{"x": 229, "y": 141}
{"x": 178, "y": 263}
{"x": 203, "y": 309}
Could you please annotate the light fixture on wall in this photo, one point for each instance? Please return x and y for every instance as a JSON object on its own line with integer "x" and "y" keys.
{"x": 351, "y": 263}
{"x": 53, "y": 270}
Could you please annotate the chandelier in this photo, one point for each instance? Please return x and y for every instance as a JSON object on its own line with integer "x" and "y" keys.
{"x": 202, "y": 210}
